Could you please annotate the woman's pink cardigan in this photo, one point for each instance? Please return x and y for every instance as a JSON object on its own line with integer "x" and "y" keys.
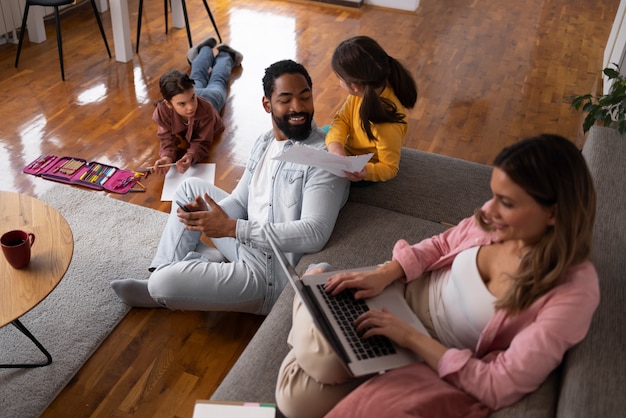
{"x": 515, "y": 354}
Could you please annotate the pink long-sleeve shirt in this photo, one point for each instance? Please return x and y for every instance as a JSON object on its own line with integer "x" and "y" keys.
{"x": 515, "y": 354}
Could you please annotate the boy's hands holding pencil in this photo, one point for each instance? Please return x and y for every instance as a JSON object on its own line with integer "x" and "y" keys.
{"x": 207, "y": 217}
{"x": 164, "y": 163}
{"x": 161, "y": 165}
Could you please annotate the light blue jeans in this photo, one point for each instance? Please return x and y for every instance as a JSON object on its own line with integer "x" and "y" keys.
{"x": 189, "y": 275}
{"x": 212, "y": 86}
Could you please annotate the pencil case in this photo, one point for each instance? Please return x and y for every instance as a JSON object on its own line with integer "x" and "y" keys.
{"x": 91, "y": 174}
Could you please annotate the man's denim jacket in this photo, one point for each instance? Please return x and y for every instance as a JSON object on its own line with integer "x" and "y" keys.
{"x": 305, "y": 202}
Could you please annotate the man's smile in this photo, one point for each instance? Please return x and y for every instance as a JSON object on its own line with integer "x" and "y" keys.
{"x": 297, "y": 119}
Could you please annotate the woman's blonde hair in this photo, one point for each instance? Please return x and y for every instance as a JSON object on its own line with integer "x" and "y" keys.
{"x": 554, "y": 173}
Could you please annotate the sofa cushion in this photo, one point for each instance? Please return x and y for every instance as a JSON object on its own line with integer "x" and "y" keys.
{"x": 430, "y": 186}
{"x": 365, "y": 235}
{"x": 541, "y": 403}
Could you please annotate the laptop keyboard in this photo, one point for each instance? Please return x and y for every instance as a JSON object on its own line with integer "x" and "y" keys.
{"x": 346, "y": 310}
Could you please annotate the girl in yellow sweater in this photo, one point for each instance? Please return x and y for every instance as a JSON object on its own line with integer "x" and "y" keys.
{"x": 373, "y": 118}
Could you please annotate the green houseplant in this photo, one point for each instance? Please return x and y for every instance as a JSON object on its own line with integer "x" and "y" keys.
{"x": 608, "y": 109}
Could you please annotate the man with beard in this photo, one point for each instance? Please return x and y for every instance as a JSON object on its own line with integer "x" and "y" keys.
{"x": 296, "y": 204}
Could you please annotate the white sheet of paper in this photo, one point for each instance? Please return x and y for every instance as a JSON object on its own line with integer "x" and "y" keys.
{"x": 173, "y": 178}
{"x": 336, "y": 164}
{"x": 223, "y": 410}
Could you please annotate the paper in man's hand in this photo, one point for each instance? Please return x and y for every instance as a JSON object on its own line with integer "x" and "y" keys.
{"x": 336, "y": 164}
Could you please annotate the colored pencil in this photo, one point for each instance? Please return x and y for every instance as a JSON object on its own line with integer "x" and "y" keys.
{"x": 161, "y": 166}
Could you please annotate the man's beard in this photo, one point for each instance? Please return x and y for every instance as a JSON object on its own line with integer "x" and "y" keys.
{"x": 296, "y": 132}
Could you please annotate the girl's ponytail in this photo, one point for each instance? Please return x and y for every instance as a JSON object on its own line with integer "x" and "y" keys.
{"x": 402, "y": 83}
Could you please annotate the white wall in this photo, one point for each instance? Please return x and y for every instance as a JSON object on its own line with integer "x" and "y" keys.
{"x": 10, "y": 18}
{"x": 615, "y": 50}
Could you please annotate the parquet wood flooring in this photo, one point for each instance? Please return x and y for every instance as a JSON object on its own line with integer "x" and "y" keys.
{"x": 489, "y": 73}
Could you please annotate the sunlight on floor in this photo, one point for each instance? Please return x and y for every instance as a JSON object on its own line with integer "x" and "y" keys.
{"x": 278, "y": 40}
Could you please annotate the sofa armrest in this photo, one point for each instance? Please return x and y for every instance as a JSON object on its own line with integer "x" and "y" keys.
{"x": 594, "y": 372}
{"x": 430, "y": 186}
{"x": 541, "y": 403}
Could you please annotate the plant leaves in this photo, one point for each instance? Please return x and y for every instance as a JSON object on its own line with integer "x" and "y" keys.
{"x": 611, "y": 73}
{"x": 588, "y": 122}
{"x": 608, "y": 109}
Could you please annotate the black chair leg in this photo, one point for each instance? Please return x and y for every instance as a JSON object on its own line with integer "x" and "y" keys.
{"x": 186, "y": 22}
{"x": 206, "y": 6}
{"x": 59, "y": 40}
{"x": 22, "y": 31}
{"x": 104, "y": 37}
{"x": 139, "y": 25}
{"x": 185, "y": 15}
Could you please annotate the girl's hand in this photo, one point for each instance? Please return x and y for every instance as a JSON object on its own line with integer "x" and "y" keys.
{"x": 357, "y": 175}
{"x": 336, "y": 148}
{"x": 370, "y": 283}
{"x": 184, "y": 163}
{"x": 161, "y": 170}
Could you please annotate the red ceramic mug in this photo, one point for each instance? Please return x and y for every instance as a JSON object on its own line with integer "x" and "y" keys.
{"x": 16, "y": 247}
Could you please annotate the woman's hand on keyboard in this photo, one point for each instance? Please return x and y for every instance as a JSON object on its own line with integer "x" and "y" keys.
{"x": 369, "y": 283}
{"x": 384, "y": 323}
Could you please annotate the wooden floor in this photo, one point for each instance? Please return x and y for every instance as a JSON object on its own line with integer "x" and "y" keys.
{"x": 489, "y": 72}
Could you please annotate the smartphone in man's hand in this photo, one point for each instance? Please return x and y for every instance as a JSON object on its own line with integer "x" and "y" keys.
{"x": 183, "y": 206}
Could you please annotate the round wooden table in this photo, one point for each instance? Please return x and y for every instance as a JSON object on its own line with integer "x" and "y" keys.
{"x": 21, "y": 290}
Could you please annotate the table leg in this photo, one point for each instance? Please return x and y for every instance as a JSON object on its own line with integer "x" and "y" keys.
{"x": 121, "y": 30}
{"x": 35, "y": 25}
{"x": 178, "y": 18}
{"x": 26, "y": 332}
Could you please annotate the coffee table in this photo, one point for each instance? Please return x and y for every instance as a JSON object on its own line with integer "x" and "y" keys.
{"x": 21, "y": 290}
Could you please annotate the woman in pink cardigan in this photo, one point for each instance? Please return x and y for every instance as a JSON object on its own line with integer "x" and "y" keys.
{"x": 504, "y": 294}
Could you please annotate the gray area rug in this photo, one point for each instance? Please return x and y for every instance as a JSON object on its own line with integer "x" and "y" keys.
{"x": 81, "y": 312}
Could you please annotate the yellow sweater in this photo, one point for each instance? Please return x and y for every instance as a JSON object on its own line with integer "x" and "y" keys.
{"x": 346, "y": 130}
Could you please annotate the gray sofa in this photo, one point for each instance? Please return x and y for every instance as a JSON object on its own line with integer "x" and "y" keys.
{"x": 430, "y": 193}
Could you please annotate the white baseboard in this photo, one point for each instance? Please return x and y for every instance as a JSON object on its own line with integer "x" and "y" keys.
{"x": 410, "y": 5}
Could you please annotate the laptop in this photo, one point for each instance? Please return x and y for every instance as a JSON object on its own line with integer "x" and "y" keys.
{"x": 334, "y": 316}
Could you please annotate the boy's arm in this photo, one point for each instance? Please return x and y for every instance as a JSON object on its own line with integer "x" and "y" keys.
{"x": 168, "y": 143}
